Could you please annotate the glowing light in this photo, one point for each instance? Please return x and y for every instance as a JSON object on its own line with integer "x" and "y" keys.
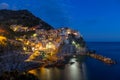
{"x": 73, "y": 42}
{"x": 15, "y": 29}
{"x": 3, "y": 40}
{"x": 34, "y": 35}
{"x": 50, "y": 46}
{"x": 75, "y": 34}
{"x": 24, "y": 48}
{"x": 19, "y": 39}
{"x": 33, "y": 49}
{"x": 68, "y": 31}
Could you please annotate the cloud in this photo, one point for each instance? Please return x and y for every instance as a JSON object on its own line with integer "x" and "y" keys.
{"x": 4, "y": 6}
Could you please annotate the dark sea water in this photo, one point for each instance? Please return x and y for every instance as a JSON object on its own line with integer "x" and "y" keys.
{"x": 75, "y": 71}
{"x": 97, "y": 70}
{"x": 89, "y": 69}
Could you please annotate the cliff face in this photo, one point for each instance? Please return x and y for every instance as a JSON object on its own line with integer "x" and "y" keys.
{"x": 21, "y": 17}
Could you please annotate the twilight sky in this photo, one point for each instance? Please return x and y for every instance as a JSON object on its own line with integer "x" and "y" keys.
{"x": 97, "y": 20}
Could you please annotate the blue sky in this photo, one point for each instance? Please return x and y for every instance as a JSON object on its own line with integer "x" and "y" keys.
{"x": 97, "y": 20}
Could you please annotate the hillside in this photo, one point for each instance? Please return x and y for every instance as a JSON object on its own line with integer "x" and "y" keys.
{"x": 27, "y": 41}
{"x": 21, "y": 17}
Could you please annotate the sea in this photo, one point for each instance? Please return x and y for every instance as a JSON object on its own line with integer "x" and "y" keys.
{"x": 97, "y": 70}
{"x": 89, "y": 69}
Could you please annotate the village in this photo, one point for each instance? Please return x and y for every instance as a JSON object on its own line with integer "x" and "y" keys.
{"x": 46, "y": 44}
{"x": 51, "y": 45}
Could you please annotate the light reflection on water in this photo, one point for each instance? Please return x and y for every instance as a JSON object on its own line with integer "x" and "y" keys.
{"x": 75, "y": 71}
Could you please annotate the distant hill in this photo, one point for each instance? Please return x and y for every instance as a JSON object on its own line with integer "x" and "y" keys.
{"x": 21, "y": 17}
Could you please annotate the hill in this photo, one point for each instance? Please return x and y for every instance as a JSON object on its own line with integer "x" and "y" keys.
{"x": 21, "y": 17}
